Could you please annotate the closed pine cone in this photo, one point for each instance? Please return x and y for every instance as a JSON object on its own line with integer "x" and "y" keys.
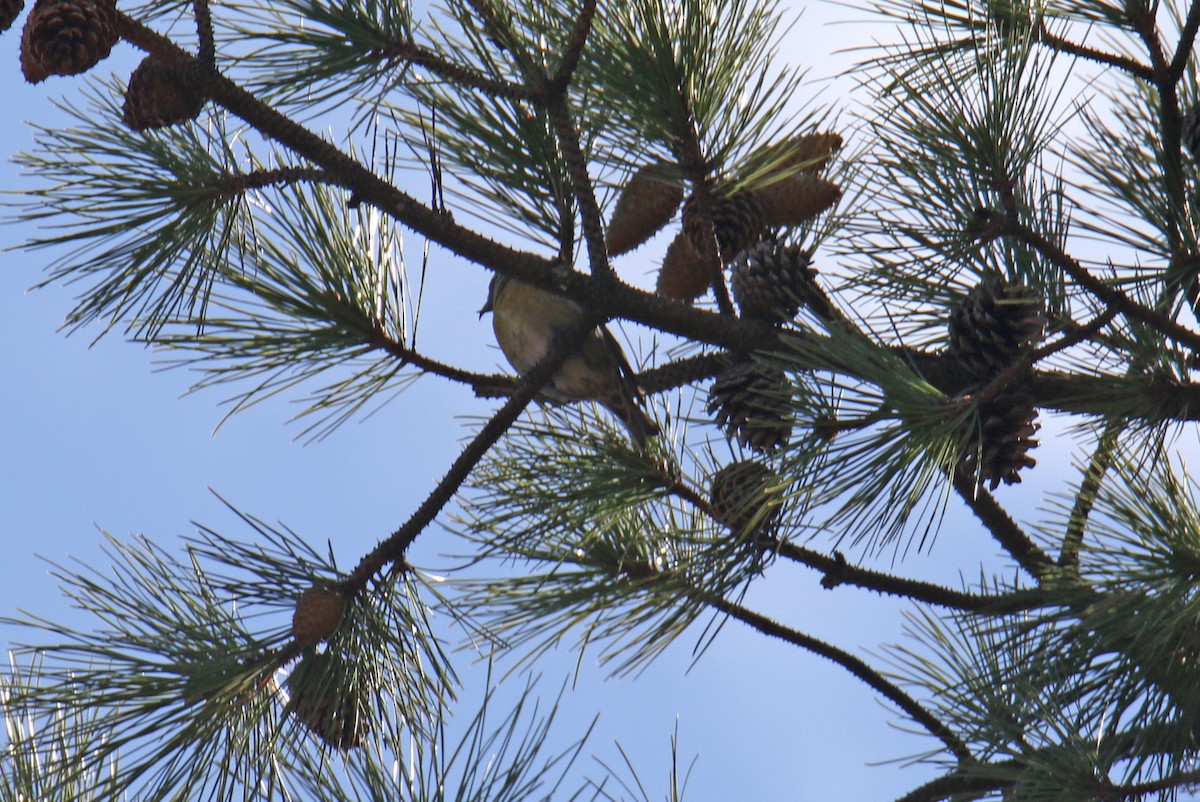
{"x": 159, "y": 95}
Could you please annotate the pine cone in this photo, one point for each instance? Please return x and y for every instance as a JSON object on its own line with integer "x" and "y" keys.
{"x": 796, "y": 200}
{"x": 741, "y": 496}
{"x": 1000, "y": 449}
{"x": 751, "y": 401}
{"x": 684, "y": 273}
{"x": 770, "y": 280}
{"x": 806, "y": 152}
{"x": 324, "y": 699}
{"x": 994, "y": 323}
{"x": 317, "y": 615}
{"x": 737, "y": 221}
{"x": 67, "y": 37}
{"x": 9, "y": 11}
{"x": 32, "y": 70}
{"x": 159, "y": 95}
{"x": 645, "y": 205}
{"x": 1190, "y": 133}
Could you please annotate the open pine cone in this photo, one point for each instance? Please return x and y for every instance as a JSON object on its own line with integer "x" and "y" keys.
{"x": 995, "y": 322}
{"x": 751, "y": 401}
{"x": 999, "y": 451}
{"x": 737, "y": 221}
{"x": 9, "y": 11}
{"x": 67, "y": 37}
{"x": 770, "y": 279}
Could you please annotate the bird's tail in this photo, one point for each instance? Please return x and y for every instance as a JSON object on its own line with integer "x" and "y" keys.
{"x": 639, "y": 423}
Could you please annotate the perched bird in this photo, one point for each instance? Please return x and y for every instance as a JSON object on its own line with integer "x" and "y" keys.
{"x": 527, "y": 320}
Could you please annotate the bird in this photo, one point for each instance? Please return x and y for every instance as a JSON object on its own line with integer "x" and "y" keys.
{"x": 528, "y": 320}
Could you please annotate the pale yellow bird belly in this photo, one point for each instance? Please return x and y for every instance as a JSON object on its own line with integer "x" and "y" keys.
{"x": 526, "y": 338}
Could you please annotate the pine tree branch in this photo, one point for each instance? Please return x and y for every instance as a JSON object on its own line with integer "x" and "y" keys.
{"x": 1135, "y": 791}
{"x": 1141, "y": 18}
{"x": 1187, "y": 38}
{"x": 392, "y": 549}
{"x": 574, "y": 50}
{"x": 1145, "y": 23}
{"x": 581, "y": 185}
{"x": 204, "y": 32}
{"x": 410, "y": 356}
{"x": 954, "y": 786}
{"x": 1110, "y": 295}
{"x": 458, "y": 74}
{"x": 367, "y": 186}
{"x": 839, "y": 572}
{"x": 1055, "y": 42}
{"x": 857, "y": 667}
{"x": 616, "y": 299}
{"x": 682, "y": 371}
{"x": 974, "y": 780}
{"x": 1003, "y": 528}
{"x": 1089, "y": 489}
{"x": 231, "y": 184}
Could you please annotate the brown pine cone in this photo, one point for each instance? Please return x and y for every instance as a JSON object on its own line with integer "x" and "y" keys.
{"x": 995, "y": 322}
{"x": 67, "y": 37}
{"x": 159, "y": 95}
{"x": 999, "y": 451}
{"x": 770, "y": 280}
{"x": 795, "y": 200}
{"x": 9, "y": 11}
{"x": 317, "y": 615}
{"x": 752, "y": 402}
{"x": 737, "y": 221}
{"x": 741, "y": 496}
{"x": 645, "y": 205}
{"x": 808, "y": 153}
{"x": 684, "y": 273}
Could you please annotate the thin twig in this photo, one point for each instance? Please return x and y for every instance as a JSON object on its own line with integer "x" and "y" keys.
{"x": 1055, "y": 42}
{"x": 1132, "y": 791}
{"x": 581, "y": 185}
{"x": 839, "y": 572}
{"x": 1003, "y": 528}
{"x": 1089, "y": 489}
{"x": 409, "y": 356}
{"x": 574, "y": 50}
{"x": 956, "y": 785}
{"x": 207, "y": 51}
{"x": 458, "y": 74}
{"x": 1028, "y": 359}
{"x": 700, "y": 205}
{"x": 856, "y": 666}
{"x": 1187, "y": 38}
{"x": 1110, "y": 295}
{"x": 394, "y": 547}
{"x": 237, "y": 183}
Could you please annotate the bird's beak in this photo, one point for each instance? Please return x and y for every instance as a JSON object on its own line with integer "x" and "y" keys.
{"x": 487, "y": 307}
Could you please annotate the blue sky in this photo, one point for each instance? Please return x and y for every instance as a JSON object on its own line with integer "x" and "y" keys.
{"x": 94, "y": 435}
